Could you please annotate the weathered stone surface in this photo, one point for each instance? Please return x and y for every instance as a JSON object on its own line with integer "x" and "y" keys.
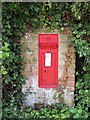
{"x": 68, "y": 98}
{"x": 36, "y": 95}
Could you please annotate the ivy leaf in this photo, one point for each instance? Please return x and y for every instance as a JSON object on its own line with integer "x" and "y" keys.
{"x": 79, "y": 24}
{"x": 62, "y": 28}
{"x": 0, "y": 54}
{"x": 79, "y": 17}
{"x": 76, "y": 116}
{"x": 63, "y": 116}
{"x": 73, "y": 110}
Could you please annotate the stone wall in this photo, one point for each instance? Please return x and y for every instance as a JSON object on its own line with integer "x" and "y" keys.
{"x": 66, "y": 71}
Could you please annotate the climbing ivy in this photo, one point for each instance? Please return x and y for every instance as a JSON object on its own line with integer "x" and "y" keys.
{"x": 81, "y": 39}
{"x": 20, "y": 17}
{"x": 13, "y": 29}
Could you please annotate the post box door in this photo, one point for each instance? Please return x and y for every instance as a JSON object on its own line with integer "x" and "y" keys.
{"x": 48, "y": 77}
{"x": 48, "y": 63}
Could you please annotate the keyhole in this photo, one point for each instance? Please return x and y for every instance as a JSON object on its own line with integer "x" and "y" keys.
{"x": 44, "y": 70}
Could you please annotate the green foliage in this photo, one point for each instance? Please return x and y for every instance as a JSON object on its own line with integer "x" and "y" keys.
{"x": 80, "y": 10}
{"x": 11, "y": 55}
{"x": 56, "y": 112}
{"x": 17, "y": 17}
{"x": 80, "y": 38}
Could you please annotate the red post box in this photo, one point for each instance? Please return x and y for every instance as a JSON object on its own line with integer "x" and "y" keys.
{"x": 48, "y": 60}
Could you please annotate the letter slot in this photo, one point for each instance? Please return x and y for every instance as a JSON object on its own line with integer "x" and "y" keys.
{"x": 47, "y": 59}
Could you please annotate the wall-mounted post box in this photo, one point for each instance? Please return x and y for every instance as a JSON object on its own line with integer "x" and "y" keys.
{"x": 48, "y": 60}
